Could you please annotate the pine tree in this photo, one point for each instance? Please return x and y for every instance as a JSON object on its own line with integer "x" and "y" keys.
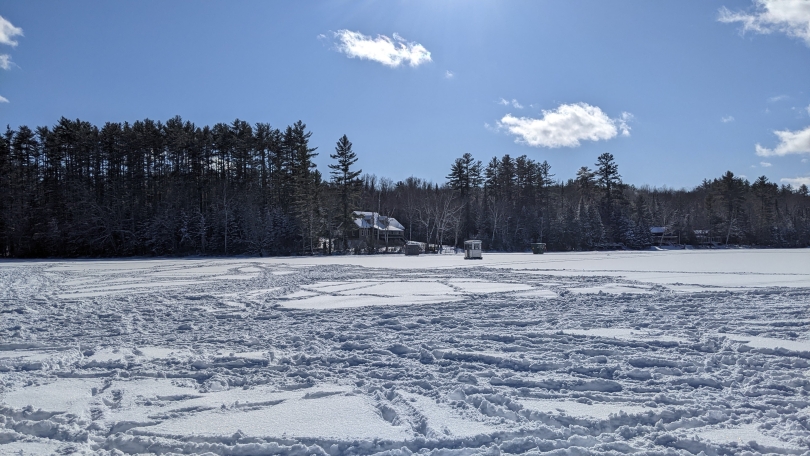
{"x": 586, "y": 183}
{"x": 347, "y": 183}
{"x": 643, "y": 218}
{"x": 609, "y": 182}
{"x": 731, "y": 190}
{"x": 465, "y": 180}
{"x": 306, "y": 184}
{"x": 607, "y": 174}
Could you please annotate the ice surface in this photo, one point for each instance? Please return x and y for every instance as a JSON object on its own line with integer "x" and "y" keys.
{"x": 334, "y": 295}
{"x": 660, "y": 352}
{"x": 338, "y": 416}
{"x": 624, "y": 333}
{"x": 443, "y": 421}
{"x": 613, "y": 288}
{"x": 744, "y": 435}
{"x": 70, "y": 395}
{"x": 770, "y": 343}
{"x": 599, "y": 411}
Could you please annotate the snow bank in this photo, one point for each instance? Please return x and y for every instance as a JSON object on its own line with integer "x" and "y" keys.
{"x": 588, "y": 353}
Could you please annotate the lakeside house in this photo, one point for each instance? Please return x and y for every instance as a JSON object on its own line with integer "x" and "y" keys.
{"x": 662, "y": 235}
{"x": 375, "y": 231}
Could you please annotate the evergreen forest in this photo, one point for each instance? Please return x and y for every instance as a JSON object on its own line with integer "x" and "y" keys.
{"x": 174, "y": 188}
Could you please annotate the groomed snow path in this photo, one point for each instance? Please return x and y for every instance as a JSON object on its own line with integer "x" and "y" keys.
{"x": 671, "y": 352}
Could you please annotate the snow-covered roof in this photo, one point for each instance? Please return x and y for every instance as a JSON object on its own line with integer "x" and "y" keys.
{"x": 374, "y": 220}
{"x": 658, "y": 229}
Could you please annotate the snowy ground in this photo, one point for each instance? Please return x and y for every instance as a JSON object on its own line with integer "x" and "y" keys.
{"x": 621, "y": 352}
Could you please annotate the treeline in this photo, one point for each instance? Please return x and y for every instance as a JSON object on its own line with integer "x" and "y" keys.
{"x": 512, "y": 202}
{"x": 173, "y": 188}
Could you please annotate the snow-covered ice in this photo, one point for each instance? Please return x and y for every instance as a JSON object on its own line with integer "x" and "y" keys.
{"x": 660, "y": 352}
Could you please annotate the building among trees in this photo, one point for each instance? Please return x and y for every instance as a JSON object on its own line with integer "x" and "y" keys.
{"x": 151, "y": 188}
{"x": 372, "y": 232}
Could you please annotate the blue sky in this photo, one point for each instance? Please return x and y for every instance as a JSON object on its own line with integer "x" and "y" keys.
{"x": 677, "y": 91}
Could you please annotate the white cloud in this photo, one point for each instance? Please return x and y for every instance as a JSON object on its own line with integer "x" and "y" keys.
{"x": 565, "y": 126}
{"x": 727, "y": 119}
{"x": 808, "y": 109}
{"x": 804, "y": 160}
{"x": 776, "y": 98}
{"x": 8, "y": 32}
{"x": 449, "y": 74}
{"x": 622, "y": 123}
{"x": 5, "y": 61}
{"x": 390, "y": 52}
{"x": 790, "y": 142}
{"x": 3, "y": 99}
{"x": 791, "y": 17}
{"x": 796, "y": 181}
{"x": 514, "y": 103}
{"x": 765, "y": 164}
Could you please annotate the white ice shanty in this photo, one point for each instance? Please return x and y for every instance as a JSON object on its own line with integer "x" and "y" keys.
{"x": 374, "y": 231}
{"x": 472, "y": 250}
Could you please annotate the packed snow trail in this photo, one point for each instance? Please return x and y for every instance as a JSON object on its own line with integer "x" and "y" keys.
{"x": 309, "y": 356}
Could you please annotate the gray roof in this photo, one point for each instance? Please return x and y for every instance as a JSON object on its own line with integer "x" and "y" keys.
{"x": 375, "y": 220}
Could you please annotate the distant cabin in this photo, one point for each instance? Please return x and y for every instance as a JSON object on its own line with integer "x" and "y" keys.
{"x": 375, "y": 231}
{"x": 662, "y": 235}
{"x": 707, "y": 238}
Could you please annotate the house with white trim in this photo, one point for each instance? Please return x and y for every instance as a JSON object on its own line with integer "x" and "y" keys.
{"x": 375, "y": 231}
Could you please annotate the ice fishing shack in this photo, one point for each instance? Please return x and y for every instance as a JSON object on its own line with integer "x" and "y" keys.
{"x": 412, "y": 248}
{"x": 472, "y": 250}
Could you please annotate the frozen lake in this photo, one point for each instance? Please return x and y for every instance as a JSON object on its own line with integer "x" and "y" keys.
{"x": 597, "y": 352}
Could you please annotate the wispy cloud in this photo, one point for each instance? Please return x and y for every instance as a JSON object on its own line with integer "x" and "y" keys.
{"x": 765, "y": 164}
{"x": 3, "y": 99}
{"x": 776, "y": 98}
{"x": 727, "y": 119}
{"x": 796, "y": 181}
{"x": 808, "y": 109}
{"x": 622, "y": 122}
{"x": 565, "y": 126}
{"x": 790, "y": 142}
{"x": 514, "y": 103}
{"x": 449, "y": 74}
{"x": 8, "y": 31}
{"x": 791, "y": 17}
{"x": 391, "y": 52}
